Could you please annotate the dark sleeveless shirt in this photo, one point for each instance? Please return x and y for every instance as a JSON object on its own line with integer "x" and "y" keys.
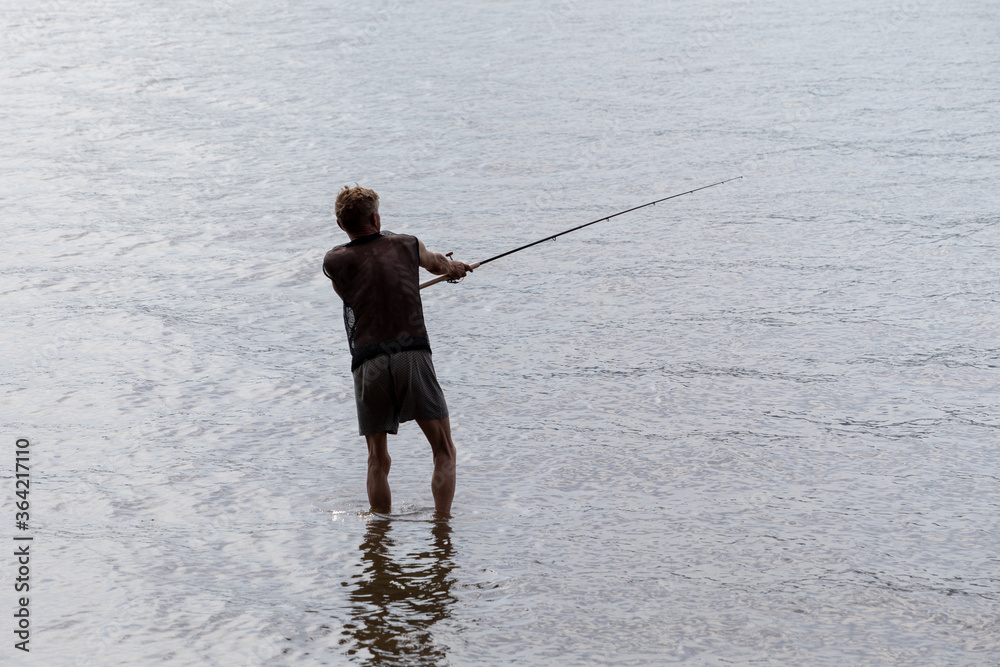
{"x": 378, "y": 278}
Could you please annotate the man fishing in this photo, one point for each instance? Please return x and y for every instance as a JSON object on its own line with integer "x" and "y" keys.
{"x": 376, "y": 274}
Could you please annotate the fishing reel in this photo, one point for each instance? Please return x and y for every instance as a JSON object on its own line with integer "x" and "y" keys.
{"x": 453, "y": 281}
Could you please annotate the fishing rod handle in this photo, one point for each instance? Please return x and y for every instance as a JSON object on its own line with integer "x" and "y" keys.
{"x": 441, "y": 279}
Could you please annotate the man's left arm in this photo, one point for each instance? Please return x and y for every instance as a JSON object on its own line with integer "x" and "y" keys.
{"x": 439, "y": 264}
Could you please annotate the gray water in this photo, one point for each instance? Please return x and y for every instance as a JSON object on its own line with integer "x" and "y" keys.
{"x": 754, "y": 425}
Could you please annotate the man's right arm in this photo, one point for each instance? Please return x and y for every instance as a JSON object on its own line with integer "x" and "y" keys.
{"x": 439, "y": 264}
{"x": 332, "y": 281}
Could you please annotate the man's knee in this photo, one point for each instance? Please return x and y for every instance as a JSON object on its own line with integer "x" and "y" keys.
{"x": 379, "y": 464}
{"x": 379, "y": 460}
{"x": 444, "y": 454}
{"x": 439, "y": 436}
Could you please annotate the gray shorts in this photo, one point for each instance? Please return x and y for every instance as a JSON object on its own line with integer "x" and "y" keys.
{"x": 396, "y": 388}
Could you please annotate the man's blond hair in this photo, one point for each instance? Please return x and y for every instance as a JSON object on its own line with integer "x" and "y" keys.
{"x": 355, "y": 206}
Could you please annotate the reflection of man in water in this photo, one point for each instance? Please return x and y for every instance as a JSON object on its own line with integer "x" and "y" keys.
{"x": 394, "y": 604}
{"x": 376, "y": 275}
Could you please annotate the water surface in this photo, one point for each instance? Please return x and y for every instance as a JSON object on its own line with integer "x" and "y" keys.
{"x": 756, "y": 424}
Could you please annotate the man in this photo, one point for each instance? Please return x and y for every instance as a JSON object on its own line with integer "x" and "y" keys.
{"x": 377, "y": 276}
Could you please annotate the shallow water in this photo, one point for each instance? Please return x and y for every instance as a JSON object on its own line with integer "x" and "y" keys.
{"x": 756, "y": 424}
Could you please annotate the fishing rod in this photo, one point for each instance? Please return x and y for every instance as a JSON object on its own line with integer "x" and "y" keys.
{"x": 588, "y": 224}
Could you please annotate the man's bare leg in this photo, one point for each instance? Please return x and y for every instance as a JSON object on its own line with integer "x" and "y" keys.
{"x": 379, "y": 495}
{"x": 438, "y": 432}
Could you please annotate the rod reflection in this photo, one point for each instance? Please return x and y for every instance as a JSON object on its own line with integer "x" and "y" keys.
{"x": 395, "y": 603}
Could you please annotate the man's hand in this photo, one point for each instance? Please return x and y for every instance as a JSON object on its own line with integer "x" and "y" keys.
{"x": 456, "y": 269}
{"x": 439, "y": 264}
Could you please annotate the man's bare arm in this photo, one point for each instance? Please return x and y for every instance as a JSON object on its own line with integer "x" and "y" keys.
{"x": 331, "y": 281}
{"x": 440, "y": 265}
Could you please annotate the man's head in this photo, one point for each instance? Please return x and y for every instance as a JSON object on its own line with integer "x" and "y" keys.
{"x": 357, "y": 210}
